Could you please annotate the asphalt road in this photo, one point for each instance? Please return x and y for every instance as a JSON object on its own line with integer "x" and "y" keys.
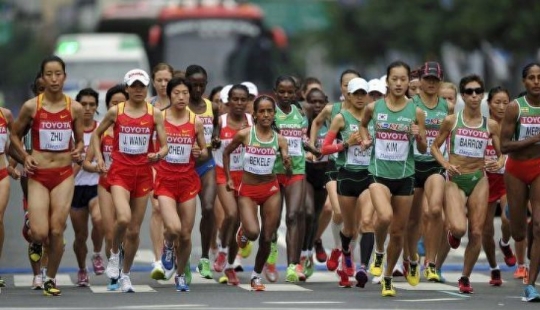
{"x": 319, "y": 292}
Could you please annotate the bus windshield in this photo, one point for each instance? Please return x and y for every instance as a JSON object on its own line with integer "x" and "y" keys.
{"x": 231, "y": 50}
{"x": 99, "y": 70}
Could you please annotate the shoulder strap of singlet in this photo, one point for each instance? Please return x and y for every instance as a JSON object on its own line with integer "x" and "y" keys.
{"x": 150, "y": 108}
{"x": 164, "y": 115}
{"x": 39, "y": 100}
{"x": 223, "y": 120}
{"x": 249, "y": 119}
{"x": 485, "y": 121}
{"x": 68, "y": 102}
{"x": 209, "y": 109}
{"x": 192, "y": 117}
{"x": 121, "y": 107}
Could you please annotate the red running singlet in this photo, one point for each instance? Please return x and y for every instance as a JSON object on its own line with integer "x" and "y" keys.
{"x": 132, "y": 137}
{"x": 52, "y": 132}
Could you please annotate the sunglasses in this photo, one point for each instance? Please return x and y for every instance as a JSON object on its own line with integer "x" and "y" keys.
{"x": 470, "y": 91}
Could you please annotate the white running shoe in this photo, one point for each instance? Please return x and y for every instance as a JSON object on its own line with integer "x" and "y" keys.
{"x": 125, "y": 284}
{"x": 170, "y": 273}
{"x": 158, "y": 272}
{"x": 113, "y": 266}
{"x": 37, "y": 283}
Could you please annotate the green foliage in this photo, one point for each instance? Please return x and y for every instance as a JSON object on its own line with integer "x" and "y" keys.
{"x": 21, "y": 57}
{"x": 367, "y": 31}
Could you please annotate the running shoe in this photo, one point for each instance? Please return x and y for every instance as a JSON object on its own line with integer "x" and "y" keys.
{"x": 168, "y": 257}
{"x": 320, "y": 252}
{"x": 37, "y": 282}
{"x": 158, "y": 272}
{"x": 361, "y": 277}
{"x": 2, "y": 283}
{"x": 526, "y": 277}
{"x": 333, "y": 262}
{"x": 388, "y": 289}
{"x": 232, "y": 279}
{"x": 509, "y": 257}
{"x": 245, "y": 252}
{"x": 300, "y": 272}
{"x": 223, "y": 279}
{"x": 50, "y": 289}
{"x": 347, "y": 264}
{"x": 204, "y": 268}
{"x": 430, "y": 273}
{"x": 113, "y": 285}
{"x": 220, "y": 262}
{"x": 495, "y": 278}
{"x": 170, "y": 272}
{"x": 125, "y": 284}
{"x": 343, "y": 279}
{"x": 35, "y": 251}
{"x": 181, "y": 284}
{"x": 465, "y": 286}
{"x": 521, "y": 272}
{"x": 244, "y": 245}
{"x": 453, "y": 241}
{"x": 398, "y": 270}
{"x": 113, "y": 266}
{"x": 531, "y": 294}
{"x": 413, "y": 274}
{"x": 291, "y": 275}
{"x": 82, "y": 278}
{"x": 97, "y": 264}
{"x": 270, "y": 270}
{"x": 441, "y": 278}
{"x": 309, "y": 266}
{"x": 256, "y": 284}
{"x": 376, "y": 267}
{"x": 237, "y": 265}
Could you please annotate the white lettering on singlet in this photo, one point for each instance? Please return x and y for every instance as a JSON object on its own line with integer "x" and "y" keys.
{"x": 491, "y": 155}
{"x": 431, "y": 134}
{"x": 529, "y": 127}
{"x": 294, "y": 140}
{"x": 107, "y": 155}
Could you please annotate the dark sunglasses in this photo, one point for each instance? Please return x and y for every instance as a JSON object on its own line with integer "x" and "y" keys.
{"x": 470, "y": 91}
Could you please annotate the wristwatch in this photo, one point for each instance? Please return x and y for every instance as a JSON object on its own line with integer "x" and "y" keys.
{"x": 345, "y": 145}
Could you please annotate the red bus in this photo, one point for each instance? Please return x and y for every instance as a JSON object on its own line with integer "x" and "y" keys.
{"x": 231, "y": 42}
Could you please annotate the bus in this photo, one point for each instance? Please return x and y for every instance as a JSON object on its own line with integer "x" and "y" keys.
{"x": 231, "y": 42}
{"x": 99, "y": 61}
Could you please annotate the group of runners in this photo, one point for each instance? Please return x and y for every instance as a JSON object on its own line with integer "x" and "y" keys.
{"x": 393, "y": 165}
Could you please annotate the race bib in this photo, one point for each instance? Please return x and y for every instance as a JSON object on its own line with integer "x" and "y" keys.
{"x": 3, "y": 140}
{"x": 358, "y": 157}
{"x": 391, "y": 146}
{"x": 54, "y": 139}
{"x": 259, "y": 160}
{"x": 470, "y": 143}
{"x": 178, "y": 153}
{"x": 431, "y": 134}
{"x": 133, "y": 144}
